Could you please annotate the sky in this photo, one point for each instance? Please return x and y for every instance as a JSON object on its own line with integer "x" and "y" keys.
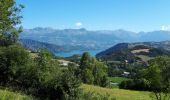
{"x": 132, "y": 15}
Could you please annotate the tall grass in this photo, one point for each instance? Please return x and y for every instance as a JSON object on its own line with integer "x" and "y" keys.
{"x": 96, "y": 96}
{"x": 8, "y": 95}
{"x": 118, "y": 94}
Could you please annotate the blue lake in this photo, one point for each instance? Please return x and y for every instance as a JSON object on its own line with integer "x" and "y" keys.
{"x": 68, "y": 54}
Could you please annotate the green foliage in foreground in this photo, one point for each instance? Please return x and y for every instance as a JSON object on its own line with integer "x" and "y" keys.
{"x": 10, "y": 18}
{"x": 118, "y": 94}
{"x": 155, "y": 78}
{"x": 7, "y": 95}
{"x": 40, "y": 76}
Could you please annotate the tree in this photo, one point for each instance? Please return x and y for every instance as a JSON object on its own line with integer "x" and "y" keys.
{"x": 46, "y": 70}
{"x": 13, "y": 60}
{"x": 68, "y": 88}
{"x": 85, "y": 60}
{"x": 53, "y": 82}
{"x": 100, "y": 73}
{"x": 159, "y": 77}
{"x": 47, "y": 67}
{"x": 10, "y": 18}
{"x": 92, "y": 71}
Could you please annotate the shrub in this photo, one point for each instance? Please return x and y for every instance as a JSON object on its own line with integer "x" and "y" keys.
{"x": 136, "y": 84}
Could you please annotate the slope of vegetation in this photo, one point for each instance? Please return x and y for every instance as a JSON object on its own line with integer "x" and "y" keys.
{"x": 36, "y": 45}
{"x": 8, "y": 95}
{"x": 155, "y": 78}
{"x": 130, "y": 51}
{"x": 119, "y": 94}
{"x": 38, "y": 75}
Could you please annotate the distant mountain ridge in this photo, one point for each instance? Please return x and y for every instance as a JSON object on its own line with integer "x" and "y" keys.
{"x": 36, "y": 45}
{"x": 129, "y": 51}
{"x": 89, "y": 40}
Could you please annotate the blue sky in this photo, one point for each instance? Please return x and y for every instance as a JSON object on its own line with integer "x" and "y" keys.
{"x": 132, "y": 15}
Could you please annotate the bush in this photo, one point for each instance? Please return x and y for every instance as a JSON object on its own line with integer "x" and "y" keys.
{"x": 63, "y": 87}
{"x": 136, "y": 84}
{"x": 13, "y": 61}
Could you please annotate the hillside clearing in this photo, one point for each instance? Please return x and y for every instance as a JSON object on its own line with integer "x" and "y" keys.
{"x": 119, "y": 94}
{"x": 117, "y": 79}
{"x": 140, "y": 50}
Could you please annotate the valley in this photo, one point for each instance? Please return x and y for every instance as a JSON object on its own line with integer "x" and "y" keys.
{"x": 84, "y": 50}
{"x": 77, "y": 40}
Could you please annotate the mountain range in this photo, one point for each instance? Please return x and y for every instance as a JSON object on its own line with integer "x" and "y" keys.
{"x": 82, "y": 39}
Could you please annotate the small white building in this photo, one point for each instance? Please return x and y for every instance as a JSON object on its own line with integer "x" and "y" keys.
{"x": 126, "y": 74}
{"x": 64, "y": 62}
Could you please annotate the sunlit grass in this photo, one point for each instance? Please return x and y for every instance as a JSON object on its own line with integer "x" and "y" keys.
{"x": 119, "y": 94}
{"x": 7, "y": 95}
{"x": 117, "y": 79}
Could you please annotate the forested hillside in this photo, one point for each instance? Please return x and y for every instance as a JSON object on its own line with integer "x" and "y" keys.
{"x": 134, "y": 51}
{"x": 35, "y": 46}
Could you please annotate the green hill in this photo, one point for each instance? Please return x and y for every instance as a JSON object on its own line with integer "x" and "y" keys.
{"x": 133, "y": 52}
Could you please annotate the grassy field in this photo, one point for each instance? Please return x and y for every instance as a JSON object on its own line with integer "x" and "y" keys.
{"x": 119, "y": 94}
{"x": 140, "y": 50}
{"x": 7, "y": 95}
{"x": 117, "y": 79}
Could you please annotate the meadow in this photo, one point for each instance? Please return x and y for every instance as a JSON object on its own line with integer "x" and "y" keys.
{"x": 119, "y": 94}
{"x": 117, "y": 79}
{"x": 8, "y": 95}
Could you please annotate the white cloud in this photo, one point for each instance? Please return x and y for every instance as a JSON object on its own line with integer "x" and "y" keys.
{"x": 165, "y": 27}
{"x": 78, "y": 24}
